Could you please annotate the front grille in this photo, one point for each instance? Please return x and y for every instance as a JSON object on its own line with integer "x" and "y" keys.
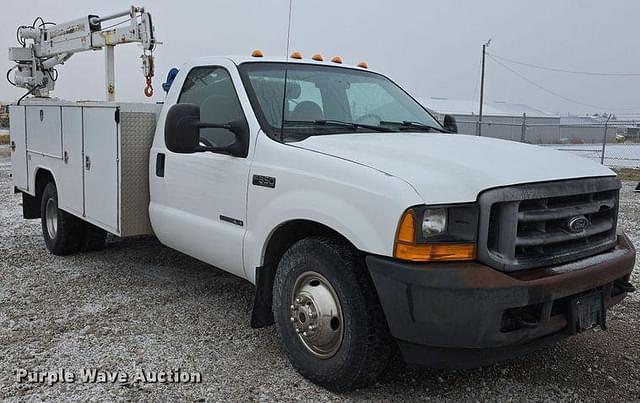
{"x": 529, "y": 226}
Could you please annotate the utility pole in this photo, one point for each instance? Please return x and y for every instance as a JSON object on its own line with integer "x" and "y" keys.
{"x": 604, "y": 140}
{"x": 484, "y": 51}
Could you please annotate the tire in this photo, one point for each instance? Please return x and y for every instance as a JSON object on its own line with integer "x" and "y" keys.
{"x": 93, "y": 238}
{"x": 62, "y": 231}
{"x": 365, "y": 349}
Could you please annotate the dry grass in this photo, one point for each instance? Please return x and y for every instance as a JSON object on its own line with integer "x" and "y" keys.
{"x": 628, "y": 174}
{"x": 4, "y": 138}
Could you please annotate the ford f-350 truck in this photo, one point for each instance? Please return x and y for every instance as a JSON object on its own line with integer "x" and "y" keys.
{"x": 366, "y": 227}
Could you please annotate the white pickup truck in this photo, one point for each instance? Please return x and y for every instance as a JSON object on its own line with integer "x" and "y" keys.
{"x": 367, "y": 227}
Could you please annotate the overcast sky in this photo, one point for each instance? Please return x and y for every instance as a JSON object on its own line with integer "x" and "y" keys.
{"x": 431, "y": 48}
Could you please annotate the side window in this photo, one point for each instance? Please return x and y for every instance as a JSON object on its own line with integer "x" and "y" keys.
{"x": 211, "y": 88}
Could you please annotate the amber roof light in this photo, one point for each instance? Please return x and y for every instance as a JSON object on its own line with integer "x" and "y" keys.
{"x": 317, "y": 57}
{"x": 363, "y": 65}
{"x": 257, "y": 53}
{"x": 296, "y": 55}
{"x": 337, "y": 59}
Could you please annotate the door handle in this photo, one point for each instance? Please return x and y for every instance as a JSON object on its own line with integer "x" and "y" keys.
{"x": 87, "y": 163}
{"x": 13, "y": 145}
{"x": 160, "y": 158}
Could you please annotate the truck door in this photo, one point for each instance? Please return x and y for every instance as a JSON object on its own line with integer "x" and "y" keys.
{"x": 200, "y": 208}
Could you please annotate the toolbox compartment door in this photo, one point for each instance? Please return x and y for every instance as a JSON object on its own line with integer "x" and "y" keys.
{"x": 70, "y": 180}
{"x": 19, "y": 147}
{"x": 44, "y": 124}
{"x": 101, "y": 167}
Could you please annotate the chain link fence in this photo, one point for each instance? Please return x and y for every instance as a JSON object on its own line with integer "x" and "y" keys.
{"x": 615, "y": 143}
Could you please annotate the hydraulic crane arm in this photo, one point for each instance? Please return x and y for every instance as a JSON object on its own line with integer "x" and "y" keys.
{"x": 45, "y": 45}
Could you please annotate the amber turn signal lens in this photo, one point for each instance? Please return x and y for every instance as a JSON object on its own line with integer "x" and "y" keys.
{"x": 407, "y": 229}
{"x": 257, "y": 53}
{"x": 435, "y": 252}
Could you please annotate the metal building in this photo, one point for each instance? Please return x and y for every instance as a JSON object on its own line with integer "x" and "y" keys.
{"x": 520, "y": 122}
{"x": 587, "y": 129}
{"x": 500, "y": 119}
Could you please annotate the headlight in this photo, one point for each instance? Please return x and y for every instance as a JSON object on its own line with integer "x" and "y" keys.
{"x": 437, "y": 233}
{"x": 434, "y": 221}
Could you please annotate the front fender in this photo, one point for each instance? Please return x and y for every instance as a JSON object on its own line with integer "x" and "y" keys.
{"x": 360, "y": 203}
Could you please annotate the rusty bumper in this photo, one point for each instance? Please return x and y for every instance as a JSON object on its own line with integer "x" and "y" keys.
{"x": 458, "y": 315}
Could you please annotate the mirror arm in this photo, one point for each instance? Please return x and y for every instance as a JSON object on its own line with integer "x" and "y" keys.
{"x": 203, "y": 149}
{"x": 236, "y": 127}
{"x": 203, "y": 125}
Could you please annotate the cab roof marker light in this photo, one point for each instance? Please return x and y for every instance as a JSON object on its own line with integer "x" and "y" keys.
{"x": 296, "y": 55}
{"x": 257, "y": 53}
{"x": 337, "y": 59}
{"x": 363, "y": 65}
{"x": 317, "y": 57}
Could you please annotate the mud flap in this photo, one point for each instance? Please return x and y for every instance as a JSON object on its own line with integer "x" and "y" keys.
{"x": 30, "y": 206}
{"x": 261, "y": 316}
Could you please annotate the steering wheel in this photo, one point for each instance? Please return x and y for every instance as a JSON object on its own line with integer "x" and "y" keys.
{"x": 369, "y": 118}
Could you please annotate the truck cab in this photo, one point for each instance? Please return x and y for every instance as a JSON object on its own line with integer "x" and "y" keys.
{"x": 368, "y": 228}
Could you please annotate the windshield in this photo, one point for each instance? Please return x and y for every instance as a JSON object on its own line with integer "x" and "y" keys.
{"x": 329, "y": 100}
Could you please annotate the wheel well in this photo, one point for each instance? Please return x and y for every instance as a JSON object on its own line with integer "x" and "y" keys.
{"x": 42, "y": 178}
{"x": 280, "y": 241}
{"x": 31, "y": 204}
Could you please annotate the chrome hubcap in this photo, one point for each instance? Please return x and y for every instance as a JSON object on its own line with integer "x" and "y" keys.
{"x": 51, "y": 218}
{"x": 316, "y": 314}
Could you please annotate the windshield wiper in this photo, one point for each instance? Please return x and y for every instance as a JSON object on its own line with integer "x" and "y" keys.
{"x": 414, "y": 125}
{"x": 340, "y": 123}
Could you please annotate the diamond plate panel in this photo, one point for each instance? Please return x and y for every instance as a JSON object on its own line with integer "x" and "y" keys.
{"x": 136, "y": 136}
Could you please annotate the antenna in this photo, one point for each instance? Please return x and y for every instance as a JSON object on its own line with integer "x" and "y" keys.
{"x": 289, "y": 29}
{"x": 286, "y": 58}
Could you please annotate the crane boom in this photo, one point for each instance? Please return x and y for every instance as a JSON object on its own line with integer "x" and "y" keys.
{"x": 45, "y": 45}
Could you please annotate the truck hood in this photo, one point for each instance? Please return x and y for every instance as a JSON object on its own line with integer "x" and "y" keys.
{"x": 446, "y": 168}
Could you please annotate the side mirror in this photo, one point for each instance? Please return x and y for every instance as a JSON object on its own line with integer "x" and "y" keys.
{"x": 450, "y": 124}
{"x": 182, "y": 132}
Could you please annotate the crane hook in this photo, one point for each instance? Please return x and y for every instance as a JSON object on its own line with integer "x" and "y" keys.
{"x": 148, "y": 89}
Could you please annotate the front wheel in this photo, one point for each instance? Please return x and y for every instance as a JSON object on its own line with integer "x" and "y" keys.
{"x": 328, "y": 315}
{"x": 62, "y": 231}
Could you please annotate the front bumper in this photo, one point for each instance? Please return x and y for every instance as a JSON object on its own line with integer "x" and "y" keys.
{"x": 466, "y": 314}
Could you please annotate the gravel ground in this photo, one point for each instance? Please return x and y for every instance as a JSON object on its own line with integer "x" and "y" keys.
{"x": 139, "y": 305}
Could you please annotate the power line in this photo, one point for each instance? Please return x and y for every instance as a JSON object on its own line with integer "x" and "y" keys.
{"x": 553, "y": 92}
{"x": 586, "y": 73}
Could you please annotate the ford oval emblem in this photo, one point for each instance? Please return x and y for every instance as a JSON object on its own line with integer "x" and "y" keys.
{"x": 578, "y": 224}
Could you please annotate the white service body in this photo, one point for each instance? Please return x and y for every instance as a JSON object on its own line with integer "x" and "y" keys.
{"x": 97, "y": 153}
